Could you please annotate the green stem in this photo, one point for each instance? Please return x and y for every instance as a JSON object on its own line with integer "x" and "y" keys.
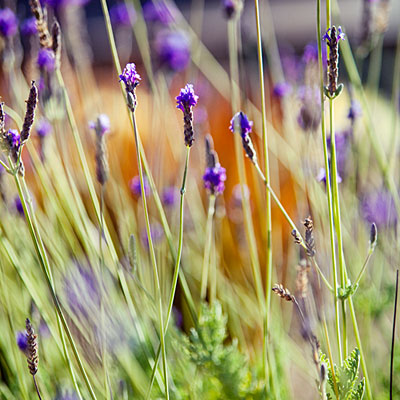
{"x": 328, "y": 182}
{"x": 268, "y": 274}
{"x": 361, "y": 273}
{"x": 176, "y": 269}
{"x": 153, "y": 258}
{"x": 206, "y": 257}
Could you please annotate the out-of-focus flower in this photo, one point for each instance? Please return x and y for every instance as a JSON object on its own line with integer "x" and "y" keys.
{"x": 28, "y": 27}
{"x": 355, "y": 111}
{"x": 241, "y": 122}
{"x": 173, "y": 49}
{"x": 231, "y": 7}
{"x": 46, "y": 60}
{"x": 18, "y": 206}
{"x": 65, "y": 3}
{"x": 379, "y": 207}
{"x": 157, "y": 235}
{"x": 214, "y": 179}
{"x": 282, "y": 89}
{"x": 123, "y": 14}
{"x": 342, "y": 142}
{"x": 158, "y": 12}
{"x": 101, "y": 125}
{"x": 68, "y": 395}
{"x": 310, "y": 54}
{"x": 135, "y": 187}
{"x": 8, "y": 23}
{"x": 321, "y": 177}
{"x": 170, "y": 196}
{"x": 22, "y": 341}
{"x": 309, "y": 116}
{"x": 43, "y": 128}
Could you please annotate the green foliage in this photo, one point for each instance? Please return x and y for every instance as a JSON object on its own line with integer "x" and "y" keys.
{"x": 221, "y": 370}
{"x": 346, "y": 377}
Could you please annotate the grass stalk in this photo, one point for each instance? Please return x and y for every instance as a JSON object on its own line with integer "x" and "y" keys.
{"x": 268, "y": 273}
{"x": 393, "y": 335}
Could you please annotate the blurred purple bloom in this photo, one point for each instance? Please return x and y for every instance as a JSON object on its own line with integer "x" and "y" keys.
{"x": 135, "y": 187}
{"x": 310, "y": 54}
{"x": 173, "y": 49}
{"x": 157, "y": 234}
{"x": 340, "y": 35}
{"x": 342, "y": 142}
{"x": 282, "y": 89}
{"x": 22, "y": 341}
{"x": 8, "y": 23}
{"x": 14, "y": 138}
{"x": 243, "y": 122}
{"x": 379, "y": 207}
{"x": 101, "y": 125}
{"x": 170, "y": 196}
{"x": 229, "y": 7}
{"x": 355, "y": 111}
{"x": 65, "y": 3}
{"x": 321, "y": 177}
{"x": 123, "y": 14}
{"x": 158, "y": 12}
{"x": 43, "y": 128}
{"x": 214, "y": 179}
{"x": 28, "y": 27}
{"x": 130, "y": 77}
{"x": 18, "y": 206}
{"x": 186, "y": 98}
{"x": 310, "y": 111}
{"x": 46, "y": 60}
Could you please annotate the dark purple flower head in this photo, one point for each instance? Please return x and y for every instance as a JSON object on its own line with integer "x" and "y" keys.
{"x": 46, "y": 60}
{"x": 130, "y": 77}
{"x": 158, "y": 12}
{"x": 282, "y": 89}
{"x": 14, "y": 138}
{"x": 355, "y": 110}
{"x": 229, "y": 7}
{"x": 22, "y": 341}
{"x": 186, "y": 98}
{"x": 339, "y": 36}
{"x": 8, "y": 23}
{"x": 18, "y": 206}
{"x": 123, "y": 14}
{"x": 101, "y": 125}
{"x": 243, "y": 122}
{"x": 379, "y": 207}
{"x": 170, "y": 196}
{"x": 173, "y": 49}
{"x": 214, "y": 179}
{"x": 157, "y": 235}
{"x": 135, "y": 187}
{"x": 28, "y": 27}
{"x": 43, "y": 128}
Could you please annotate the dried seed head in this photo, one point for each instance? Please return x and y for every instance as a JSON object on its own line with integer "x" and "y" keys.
{"x": 41, "y": 24}
{"x": 31, "y": 104}
{"x": 296, "y": 236}
{"x": 56, "y": 45}
{"x": 283, "y": 293}
{"x": 373, "y": 237}
{"x": 2, "y": 118}
{"x": 101, "y": 127}
{"x": 309, "y": 237}
{"x": 32, "y": 351}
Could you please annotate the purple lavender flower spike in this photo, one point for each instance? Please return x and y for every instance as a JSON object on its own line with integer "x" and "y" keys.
{"x": 135, "y": 187}
{"x": 8, "y": 23}
{"x": 101, "y": 125}
{"x": 46, "y": 60}
{"x": 43, "y": 128}
{"x": 131, "y": 79}
{"x": 170, "y": 196}
{"x": 214, "y": 179}
{"x": 28, "y": 27}
{"x": 241, "y": 123}
{"x": 123, "y": 14}
{"x": 22, "y": 341}
{"x": 185, "y": 101}
{"x": 173, "y": 49}
{"x": 158, "y": 12}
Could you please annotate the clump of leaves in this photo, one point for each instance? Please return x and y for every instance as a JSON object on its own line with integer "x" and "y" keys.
{"x": 348, "y": 385}
{"x": 221, "y": 370}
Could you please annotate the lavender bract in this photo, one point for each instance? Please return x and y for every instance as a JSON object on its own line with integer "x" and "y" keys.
{"x": 8, "y": 23}
{"x": 173, "y": 49}
{"x": 214, "y": 179}
{"x": 282, "y": 89}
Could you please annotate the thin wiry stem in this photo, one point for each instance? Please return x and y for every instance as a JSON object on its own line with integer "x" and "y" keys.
{"x": 176, "y": 269}
{"x": 36, "y": 387}
{"x": 393, "y": 336}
